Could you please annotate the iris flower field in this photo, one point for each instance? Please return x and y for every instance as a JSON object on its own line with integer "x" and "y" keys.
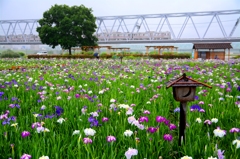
{"x": 105, "y": 109}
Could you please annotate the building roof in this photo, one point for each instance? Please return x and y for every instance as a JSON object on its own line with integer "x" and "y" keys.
{"x": 212, "y": 46}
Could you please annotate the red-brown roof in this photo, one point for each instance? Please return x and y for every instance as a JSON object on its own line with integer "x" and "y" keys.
{"x": 212, "y": 46}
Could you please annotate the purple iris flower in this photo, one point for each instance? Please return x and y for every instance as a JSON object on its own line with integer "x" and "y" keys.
{"x": 93, "y": 121}
{"x": 111, "y": 139}
{"x": 152, "y": 130}
{"x": 115, "y": 109}
{"x": 104, "y": 119}
{"x": 7, "y": 121}
{"x": 143, "y": 119}
{"x": 166, "y": 122}
{"x": 59, "y": 110}
{"x": 233, "y": 130}
{"x": 25, "y": 134}
{"x": 195, "y": 108}
{"x": 14, "y": 99}
{"x": 33, "y": 87}
{"x": 11, "y": 105}
{"x": 49, "y": 116}
{"x": 17, "y": 105}
{"x": 196, "y": 97}
{"x": 35, "y": 125}
{"x": 229, "y": 84}
{"x": 95, "y": 96}
{"x": 176, "y": 110}
{"x": 167, "y": 137}
{"x": 160, "y": 119}
{"x": 87, "y": 140}
{"x": 40, "y": 88}
{"x": 77, "y": 95}
{"x": 220, "y": 154}
{"x": 26, "y": 156}
{"x": 172, "y": 126}
{"x": 13, "y": 118}
{"x": 71, "y": 76}
{"x": 99, "y": 110}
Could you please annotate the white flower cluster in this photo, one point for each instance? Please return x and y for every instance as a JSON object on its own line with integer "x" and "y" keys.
{"x": 198, "y": 120}
{"x": 44, "y": 157}
{"x": 42, "y": 129}
{"x": 128, "y": 133}
{"x": 219, "y": 133}
{"x": 236, "y": 142}
{"x": 60, "y": 120}
{"x": 133, "y": 121}
{"x": 214, "y": 120}
{"x": 76, "y": 132}
{"x": 131, "y": 152}
{"x": 89, "y": 132}
{"x": 125, "y": 106}
{"x": 186, "y": 157}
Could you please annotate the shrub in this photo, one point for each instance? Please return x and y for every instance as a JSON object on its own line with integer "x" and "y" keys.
{"x": 129, "y": 57}
{"x": 89, "y": 53}
{"x": 153, "y": 52}
{"x": 115, "y": 56}
{"x": 170, "y": 53}
{"x": 10, "y": 54}
{"x": 21, "y": 54}
{"x": 113, "y": 53}
{"x": 103, "y": 54}
{"x": 236, "y": 57}
{"x": 83, "y": 52}
{"x": 186, "y": 54}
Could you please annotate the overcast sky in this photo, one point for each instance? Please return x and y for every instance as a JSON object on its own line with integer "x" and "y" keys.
{"x": 33, "y": 9}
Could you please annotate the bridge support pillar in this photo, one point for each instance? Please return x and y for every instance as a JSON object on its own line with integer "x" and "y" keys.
{"x": 147, "y": 49}
{"x": 159, "y": 52}
{"x": 195, "y": 54}
{"x": 228, "y": 54}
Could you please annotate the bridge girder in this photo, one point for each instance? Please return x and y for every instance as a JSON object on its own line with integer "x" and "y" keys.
{"x": 116, "y": 30}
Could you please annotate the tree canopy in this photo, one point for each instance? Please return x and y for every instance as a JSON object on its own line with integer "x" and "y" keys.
{"x": 68, "y": 27}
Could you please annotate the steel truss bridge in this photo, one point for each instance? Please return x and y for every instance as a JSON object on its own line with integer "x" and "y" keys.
{"x": 210, "y": 26}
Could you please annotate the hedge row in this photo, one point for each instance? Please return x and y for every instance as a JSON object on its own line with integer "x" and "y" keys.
{"x": 11, "y": 54}
{"x": 108, "y": 56}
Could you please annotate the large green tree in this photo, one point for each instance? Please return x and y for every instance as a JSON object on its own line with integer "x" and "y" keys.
{"x": 68, "y": 27}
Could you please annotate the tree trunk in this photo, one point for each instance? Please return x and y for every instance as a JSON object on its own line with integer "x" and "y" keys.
{"x": 70, "y": 51}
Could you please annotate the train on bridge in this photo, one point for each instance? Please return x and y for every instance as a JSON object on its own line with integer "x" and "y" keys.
{"x": 120, "y": 36}
{"x": 104, "y": 36}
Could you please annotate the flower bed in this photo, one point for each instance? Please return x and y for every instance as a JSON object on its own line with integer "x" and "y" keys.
{"x": 109, "y": 56}
{"x": 108, "y": 109}
{"x": 169, "y": 56}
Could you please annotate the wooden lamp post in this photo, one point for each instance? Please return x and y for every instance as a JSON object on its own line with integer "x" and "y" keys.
{"x": 184, "y": 89}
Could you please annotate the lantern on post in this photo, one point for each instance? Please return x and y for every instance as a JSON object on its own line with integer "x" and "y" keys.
{"x": 184, "y": 89}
